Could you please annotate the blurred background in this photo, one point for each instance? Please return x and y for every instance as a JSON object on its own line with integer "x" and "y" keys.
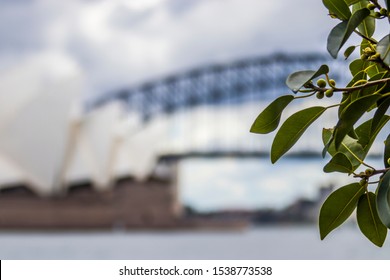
{"x": 124, "y": 131}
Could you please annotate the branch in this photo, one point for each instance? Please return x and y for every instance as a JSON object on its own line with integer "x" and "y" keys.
{"x": 349, "y": 89}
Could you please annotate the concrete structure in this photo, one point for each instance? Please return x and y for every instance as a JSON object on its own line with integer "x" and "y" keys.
{"x": 131, "y": 204}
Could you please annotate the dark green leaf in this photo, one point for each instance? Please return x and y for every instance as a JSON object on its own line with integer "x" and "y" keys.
{"x": 327, "y": 141}
{"x": 351, "y": 2}
{"x": 349, "y": 51}
{"x": 341, "y": 32}
{"x": 297, "y": 80}
{"x": 383, "y": 199}
{"x": 366, "y": 137}
{"x": 386, "y": 155}
{"x": 292, "y": 129}
{"x": 367, "y": 27}
{"x": 269, "y": 119}
{"x": 388, "y": 4}
{"x": 338, "y": 207}
{"x": 336, "y": 38}
{"x": 383, "y": 48}
{"x": 345, "y": 101}
{"x": 339, "y": 163}
{"x": 351, "y": 115}
{"x": 368, "y": 220}
{"x": 338, "y": 8}
{"x": 379, "y": 113}
{"x": 364, "y": 133}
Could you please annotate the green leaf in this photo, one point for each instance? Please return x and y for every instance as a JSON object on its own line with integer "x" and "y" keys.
{"x": 386, "y": 154}
{"x": 297, "y": 80}
{"x": 339, "y": 163}
{"x": 357, "y": 66}
{"x": 349, "y": 51}
{"x": 341, "y": 32}
{"x": 351, "y": 115}
{"x": 269, "y": 119}
{"x": 388, "y": 4}
{"x": 338, "y": 8}
{"x": 292, "y": 129}
{"x": 376, "y": 88}
{"x": 338, "y": 207}
{"x": 367, "y": 27}
{"x": 383, "y": 199}
{"x": 383, "y": 48}
{"x": 374, "y": 69}
{"x": 368, "y": 220}
{"x": 350, "y": 147}
{"x": 351, "y": 2}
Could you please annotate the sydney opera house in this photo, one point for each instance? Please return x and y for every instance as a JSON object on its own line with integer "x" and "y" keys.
{"x": 64, "y": 167}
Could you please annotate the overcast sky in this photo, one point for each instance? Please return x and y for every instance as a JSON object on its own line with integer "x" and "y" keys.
{"x": 122, "y": 42}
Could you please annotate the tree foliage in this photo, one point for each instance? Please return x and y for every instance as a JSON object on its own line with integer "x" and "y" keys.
{"x": 365, "y": 96}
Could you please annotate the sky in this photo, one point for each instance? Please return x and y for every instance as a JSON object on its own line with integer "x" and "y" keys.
{"x": 113, "y": 44}
{"x": 125, "y": 42}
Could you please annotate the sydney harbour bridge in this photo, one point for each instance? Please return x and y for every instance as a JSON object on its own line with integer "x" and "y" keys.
{"x": 228, "y": 96}
{"x": 246, "y": 80}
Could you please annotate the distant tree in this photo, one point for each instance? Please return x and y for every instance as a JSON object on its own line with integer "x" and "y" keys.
{"x": 349, "y": 142}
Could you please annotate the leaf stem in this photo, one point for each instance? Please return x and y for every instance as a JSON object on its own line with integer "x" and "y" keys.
{"x": 304, "y": 96}
{"x": 371, "y": 40}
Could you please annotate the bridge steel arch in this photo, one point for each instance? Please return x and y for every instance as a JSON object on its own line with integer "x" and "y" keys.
{"x": 258, "y": 78}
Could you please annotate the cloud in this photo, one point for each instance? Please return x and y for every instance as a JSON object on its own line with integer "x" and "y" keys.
{"x": 120, "y": 43}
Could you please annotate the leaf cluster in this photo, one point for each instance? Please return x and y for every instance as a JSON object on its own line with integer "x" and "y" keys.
{"x": 349, "y": 141}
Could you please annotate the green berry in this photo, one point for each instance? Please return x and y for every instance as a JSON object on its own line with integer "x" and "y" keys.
{"x": 321, "y": 83}
{"x": 368, "y": 51}
{"x": 383, "y": 12}
{"x": 371, "y": 6}
{"x": 363, "y": 57}
{"x": 369, "y": 172}
{"x": 363, "y": 182}
{"x": 329, "y": 92}
{"x": 320, "y": 95}
{"x": 388, "y": 161}
{"x": 377, "y": 15}
{"x": 332, "y": 82}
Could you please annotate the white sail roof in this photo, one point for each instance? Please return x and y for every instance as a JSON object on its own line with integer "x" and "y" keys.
{"x": 94, "y": 146}
{"x": 9, "y": 173}
{"x": 137, "y": 149}
{"x": 34, "y": 129}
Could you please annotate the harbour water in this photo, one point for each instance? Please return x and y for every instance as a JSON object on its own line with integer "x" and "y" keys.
{"x": 280, "y": 242}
